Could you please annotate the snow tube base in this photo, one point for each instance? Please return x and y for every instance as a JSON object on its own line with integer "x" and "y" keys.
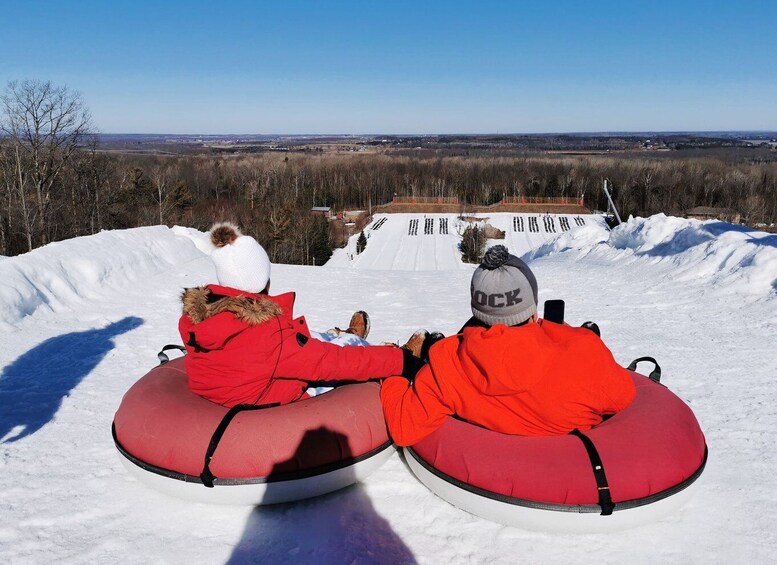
{"x": 548, "y": 521}
{"x": 652, "y": 453}
{"x": 254, "y": 494}
{"x": 277, "y": 454}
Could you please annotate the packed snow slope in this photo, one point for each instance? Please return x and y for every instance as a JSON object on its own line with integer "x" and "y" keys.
{"x": 83, "y": 320}
{"x": 425, "y": 242}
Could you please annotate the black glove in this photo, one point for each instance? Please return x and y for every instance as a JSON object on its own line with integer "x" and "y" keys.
{"x": 410, "y": 364}
{"x": 430, "y": 340}
{"x": 593, "y": 327}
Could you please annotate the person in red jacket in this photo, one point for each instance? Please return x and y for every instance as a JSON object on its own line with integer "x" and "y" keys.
{"x": 508, "y": 370}
{"x": 246, "y": 347}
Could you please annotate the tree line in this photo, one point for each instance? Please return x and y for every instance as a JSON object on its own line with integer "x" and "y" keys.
{"x": 57, "y": 183}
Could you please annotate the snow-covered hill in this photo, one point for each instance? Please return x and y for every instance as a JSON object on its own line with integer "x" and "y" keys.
{"x": 427, "y": 242}
{"x": 63, "y": 274}
{"x": 83, "y": 319}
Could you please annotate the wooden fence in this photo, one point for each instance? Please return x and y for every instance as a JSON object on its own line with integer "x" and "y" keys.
{"x": 553, "y": 200}
{"x": 425, "y": 200}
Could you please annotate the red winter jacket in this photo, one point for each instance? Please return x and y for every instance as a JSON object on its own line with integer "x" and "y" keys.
{"x": 245, "y": 348}
{"x": 538, "y": 379}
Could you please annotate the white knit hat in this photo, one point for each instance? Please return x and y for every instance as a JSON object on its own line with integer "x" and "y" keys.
{"x": 240, "y": 261}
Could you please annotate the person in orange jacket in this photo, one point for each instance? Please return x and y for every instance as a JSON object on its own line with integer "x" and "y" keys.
{"x": 508, "y": 370}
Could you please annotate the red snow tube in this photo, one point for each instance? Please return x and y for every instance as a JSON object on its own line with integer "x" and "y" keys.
{"x": 303, "y": 449}
{"x": 650, "y": 451}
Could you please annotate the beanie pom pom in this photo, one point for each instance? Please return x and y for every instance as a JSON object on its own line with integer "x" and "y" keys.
{"x": 224, "y": 233}
{"x": 495, "y": 257}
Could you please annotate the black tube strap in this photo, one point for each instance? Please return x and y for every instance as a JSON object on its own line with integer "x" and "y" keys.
{"x": 163, "y": 358}
{"x": 655, "y": 375}
{"x": 605, "y": 498}
{"x": 193, "y": 343}
{"x": 206, "y": 476}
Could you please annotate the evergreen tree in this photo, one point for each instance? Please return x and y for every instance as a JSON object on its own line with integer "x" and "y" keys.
{"x": 473, "y": 244}
{"x": 182, "y": 196}
{"x": 361, "y": 243}
{"x": 320, "y": 245}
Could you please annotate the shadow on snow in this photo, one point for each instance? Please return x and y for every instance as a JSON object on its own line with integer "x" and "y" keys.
{"x": 339, "y": 527}
{"x": 33, "y": 386}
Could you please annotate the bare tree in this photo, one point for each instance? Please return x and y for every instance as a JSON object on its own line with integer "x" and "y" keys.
{"x": 646, "y": 182}
{"x": 6, "y": 191}
{"x": 15, "y": 181}
{"x": 90, "y": 187}
{"x": 45, "y": 125}
{"x": 279, "y": 217}
{"x": 162, "y": 180}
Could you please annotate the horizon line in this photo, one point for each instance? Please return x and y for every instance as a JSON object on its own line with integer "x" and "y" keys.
{"x": 430, "y": 134}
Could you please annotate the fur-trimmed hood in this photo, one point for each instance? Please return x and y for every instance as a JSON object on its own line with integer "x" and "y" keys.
{"x": 201, "y": 303}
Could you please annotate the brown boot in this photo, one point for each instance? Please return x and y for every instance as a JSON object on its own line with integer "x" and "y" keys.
{"x": 416, "y": 342}
{"x": 359, "y": 325}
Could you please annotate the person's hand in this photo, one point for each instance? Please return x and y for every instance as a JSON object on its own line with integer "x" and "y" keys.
{"x": 430, "y": 340}
{"x": 411, "y": 352}
{"x": 410, "y": 364}
{"x": 416, "y": 342}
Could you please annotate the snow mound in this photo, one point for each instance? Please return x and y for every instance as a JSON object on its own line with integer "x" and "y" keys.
{"x": 726, "y": 255}
{"x": 200, "y": 239}
{"x": 62, "y": 274}
{"x": 580, "y": 239}
{"x": 729, "y": 257}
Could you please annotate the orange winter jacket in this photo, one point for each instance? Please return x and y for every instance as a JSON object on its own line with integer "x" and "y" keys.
{"x": 538, "y": 379}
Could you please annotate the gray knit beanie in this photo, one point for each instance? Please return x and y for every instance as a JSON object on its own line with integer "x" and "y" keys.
{"x": 503, "y": 288}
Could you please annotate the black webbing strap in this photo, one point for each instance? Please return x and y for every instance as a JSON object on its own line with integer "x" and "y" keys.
{"x": 193, "y": 343}
{"x": 655, "y": 374}
{"x": 605, "y": 498}
{"x": 206, "y": 476}
{"x": 163, "y": 358}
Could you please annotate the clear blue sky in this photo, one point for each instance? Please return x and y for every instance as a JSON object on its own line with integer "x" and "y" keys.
{"x": 403, "y": 66}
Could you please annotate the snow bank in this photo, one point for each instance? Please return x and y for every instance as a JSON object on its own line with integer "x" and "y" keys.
{"x": 725, "y": 255}
{"x": 581, "y": 239}
{"x": 730, "y": 257}
{"x": 200, "y": 239}
{"x": 62, "y": 274}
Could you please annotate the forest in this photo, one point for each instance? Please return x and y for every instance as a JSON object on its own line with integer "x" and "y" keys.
{"x": 56, "y": 182}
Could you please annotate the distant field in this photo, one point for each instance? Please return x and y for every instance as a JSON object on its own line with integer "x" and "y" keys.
{"x": 759, "y": 145}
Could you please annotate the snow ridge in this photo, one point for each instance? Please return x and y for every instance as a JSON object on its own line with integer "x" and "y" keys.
{"x": 729, "y": 257}
{"x": 64, "y": 273}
